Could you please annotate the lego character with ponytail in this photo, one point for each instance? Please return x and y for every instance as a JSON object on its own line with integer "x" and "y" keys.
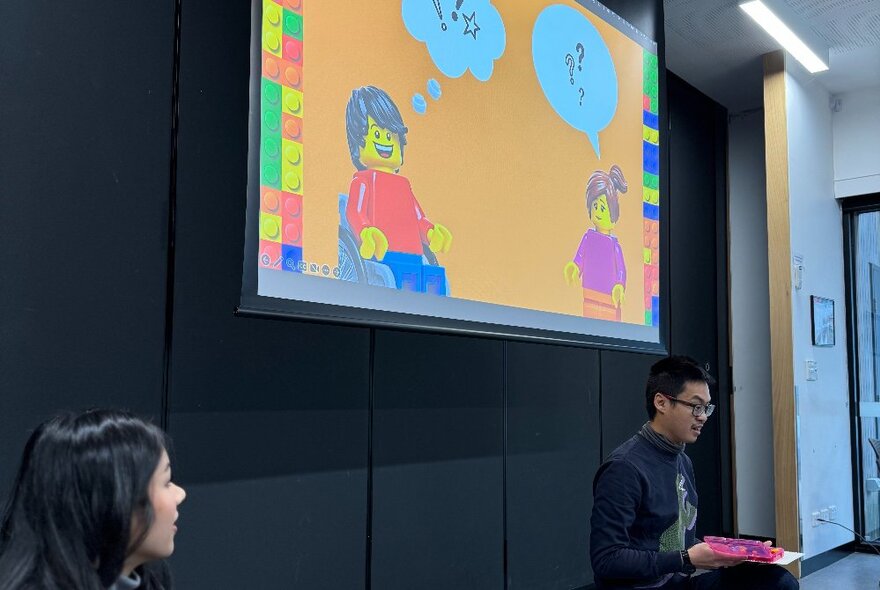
{"x": 598, "y": 263}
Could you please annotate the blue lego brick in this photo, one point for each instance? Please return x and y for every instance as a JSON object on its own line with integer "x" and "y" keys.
{"x": 291, "y": 256}
{"x": 650, "y": 211}
{"x": 650, "y": 120}
{"x": 651, "y": 157}
{"x": 655, "y": 311}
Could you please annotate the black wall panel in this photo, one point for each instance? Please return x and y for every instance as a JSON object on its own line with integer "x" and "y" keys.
{"x": 698, "y": 294}
{"x": 85, "y": 130}
{"x": 438, "y": 472}
{"x": 553, "y": 435}
{"x": 270, "y": 418}
{"x": 623, "y": 396}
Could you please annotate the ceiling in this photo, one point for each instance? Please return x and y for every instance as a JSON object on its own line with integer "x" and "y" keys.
{"x": 717, "y": 47}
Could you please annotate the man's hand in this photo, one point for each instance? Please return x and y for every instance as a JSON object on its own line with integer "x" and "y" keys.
{"x": 571, "y": 272}
{"x": 373, "y": 242}
{"x": 704, "y": 557}
{"x": 439, "y": 238}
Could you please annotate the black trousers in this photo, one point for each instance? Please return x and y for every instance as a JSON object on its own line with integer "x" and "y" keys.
{"x": 746, "y": 576}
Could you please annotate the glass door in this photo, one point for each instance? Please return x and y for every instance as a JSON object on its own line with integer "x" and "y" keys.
{"x": 863, "y": 277}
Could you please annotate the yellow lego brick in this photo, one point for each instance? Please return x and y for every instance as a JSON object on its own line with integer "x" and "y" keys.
{"x": 651, "y": 195}
{"x": 292, "y": 166}
{"x": 646, "y": 255}
{"x": 292, "y": 153}
{"x": 650, "y": 135}
{"x": 270, "y": 227}
{"x": 272, "y": 33}
{"x": 291, "y": 101}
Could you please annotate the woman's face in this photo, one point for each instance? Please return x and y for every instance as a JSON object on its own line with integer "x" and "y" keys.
{"x": 165, "y": 497}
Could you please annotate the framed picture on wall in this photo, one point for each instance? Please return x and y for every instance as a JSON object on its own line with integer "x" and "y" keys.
{"x": 823, "y": 320}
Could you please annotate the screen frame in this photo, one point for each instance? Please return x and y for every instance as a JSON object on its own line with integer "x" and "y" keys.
{"x": 257, "y": 306}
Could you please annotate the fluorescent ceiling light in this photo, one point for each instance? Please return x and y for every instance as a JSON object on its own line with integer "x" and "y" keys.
{"x": 786, "y": 37}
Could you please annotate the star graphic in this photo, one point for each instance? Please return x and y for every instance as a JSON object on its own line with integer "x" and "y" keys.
{"x": 467, "y": 24}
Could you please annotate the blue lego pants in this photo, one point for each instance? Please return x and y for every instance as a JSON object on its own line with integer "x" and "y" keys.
{"x": 410, "y": 274}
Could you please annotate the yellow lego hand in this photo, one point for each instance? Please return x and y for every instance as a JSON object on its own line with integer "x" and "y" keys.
{"x": 617, "y": 295}
{"x": 439, "y": 238}
{"x": 572, "y": 273}
{"x": 373, "y": 243}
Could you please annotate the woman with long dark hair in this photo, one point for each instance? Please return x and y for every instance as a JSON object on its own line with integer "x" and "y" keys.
{"x": 93, "y": 507}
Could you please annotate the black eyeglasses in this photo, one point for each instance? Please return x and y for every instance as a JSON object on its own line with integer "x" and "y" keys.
{"x": 696, "y": 409}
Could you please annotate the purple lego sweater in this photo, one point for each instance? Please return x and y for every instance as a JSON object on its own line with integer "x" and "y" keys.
{"x": 600, "y": 259}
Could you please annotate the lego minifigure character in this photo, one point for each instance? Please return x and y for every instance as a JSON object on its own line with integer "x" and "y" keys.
{"x": 382, "y": 210}
{"x": 599, "y": 262}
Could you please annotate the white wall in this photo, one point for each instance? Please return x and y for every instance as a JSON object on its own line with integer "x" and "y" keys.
{"x": 750, "y": 326}
{"x": 816, "y": 234}
{"x": 856, "y": 135}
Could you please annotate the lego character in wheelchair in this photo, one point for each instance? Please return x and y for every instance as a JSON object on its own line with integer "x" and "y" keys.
{"x": 385, "y": 220}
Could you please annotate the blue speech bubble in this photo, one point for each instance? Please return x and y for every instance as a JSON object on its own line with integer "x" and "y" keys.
{"x": 575, "y": 70}
{"x": 460, "y": 34}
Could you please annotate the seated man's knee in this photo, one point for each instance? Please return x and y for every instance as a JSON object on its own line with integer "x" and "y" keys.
{"x": 784, "y": 580}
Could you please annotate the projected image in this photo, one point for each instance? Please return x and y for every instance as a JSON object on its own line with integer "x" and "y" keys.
{"x": 491, "y": 162}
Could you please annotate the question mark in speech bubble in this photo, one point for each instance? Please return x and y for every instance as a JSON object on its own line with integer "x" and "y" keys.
{"x": 557, "y": 29}
{"x": 569, "y": 61}
{"x": 580, "y": 50}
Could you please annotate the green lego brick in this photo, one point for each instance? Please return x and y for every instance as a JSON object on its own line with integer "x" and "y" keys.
{"x": 270, "y": 174}
{"x": 270, "y": 148}
{"x": 292, "y": 25}
{"x": 270, "y": 109}
{"x": 271, "y": 94}
{"x": 650, "y": 180}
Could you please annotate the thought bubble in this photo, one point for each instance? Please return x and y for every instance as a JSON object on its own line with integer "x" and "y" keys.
{"x": 575, "y": 70}
{"x": 460, "y": 34}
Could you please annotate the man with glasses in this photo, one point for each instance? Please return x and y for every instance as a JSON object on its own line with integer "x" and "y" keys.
{"x": 645, "y": 499}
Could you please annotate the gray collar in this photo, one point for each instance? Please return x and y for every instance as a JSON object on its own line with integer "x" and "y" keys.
{"x": 660, "y": 441}
{"x": 127, "y": 583}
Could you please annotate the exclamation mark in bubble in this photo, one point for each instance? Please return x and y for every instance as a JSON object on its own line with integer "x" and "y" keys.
{"x": 439, "y": 14}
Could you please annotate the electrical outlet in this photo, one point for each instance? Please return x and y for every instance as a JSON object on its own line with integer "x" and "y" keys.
{"x": 823, "y": 514}
{"x": 814, "y": 520}
{"x": 812, "y": 368}
{"x": 832, "y": 513}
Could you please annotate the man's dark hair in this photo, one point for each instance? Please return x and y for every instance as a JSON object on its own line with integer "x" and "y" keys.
{"x": 670, "y": 376}
{"x": 370, "y": 101}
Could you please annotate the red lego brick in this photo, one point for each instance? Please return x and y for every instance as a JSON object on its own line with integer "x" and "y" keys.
{"x": 291, "y": 75}
{"x": 270, "y": 255}
{"x": 291, "y": 219}
{"x": 292, "y": 127}
{"x": 270, "y": 200}
{"x": 282, "y": 71}
{"x": 292, "y": 50}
